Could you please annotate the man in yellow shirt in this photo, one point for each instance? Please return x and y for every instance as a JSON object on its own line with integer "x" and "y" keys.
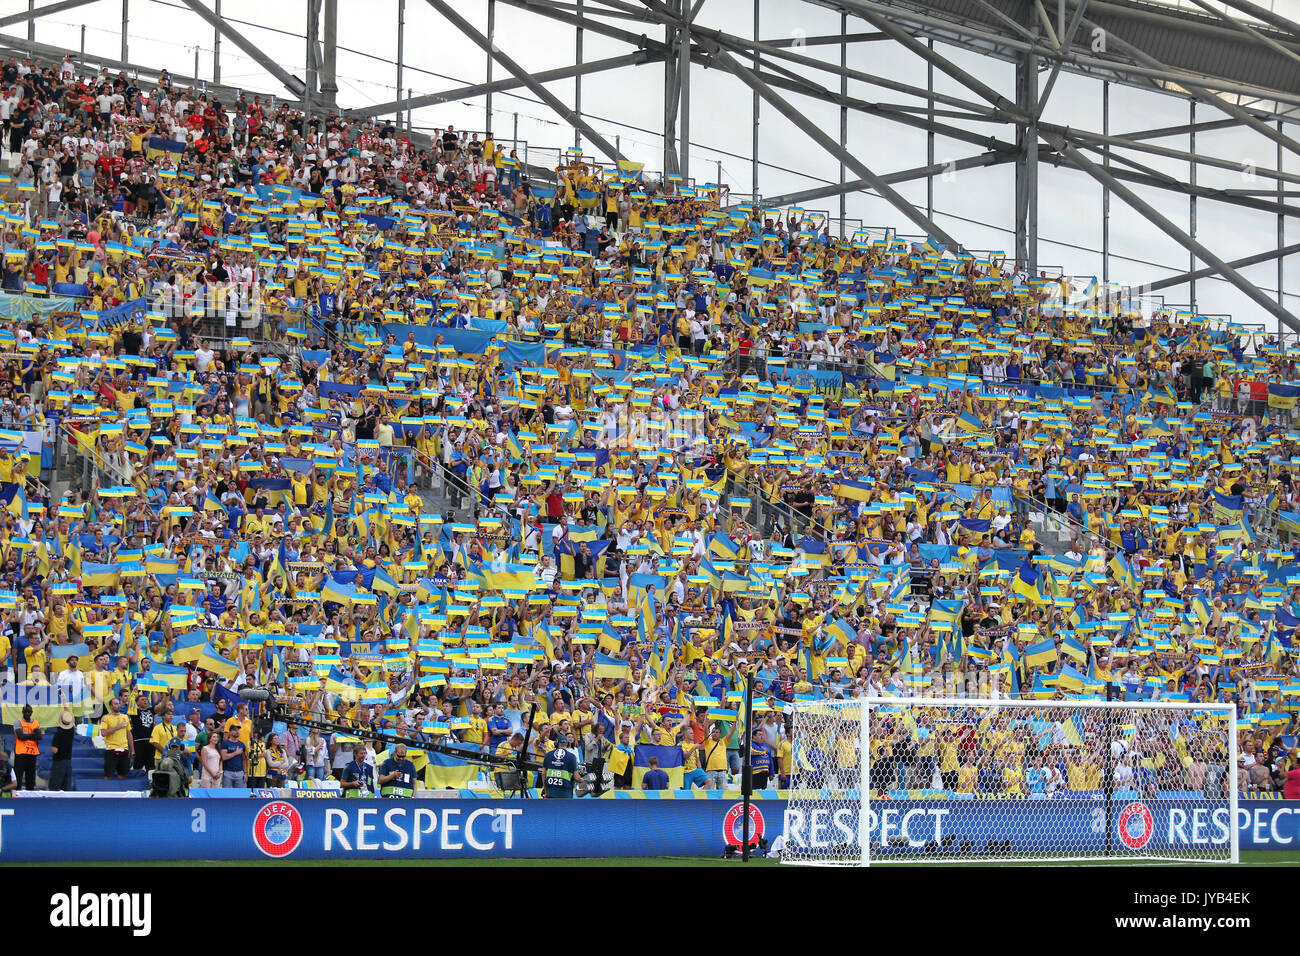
{"x": 476, "y": 733}
{"x": 119, "y": 748}
{"x": 164, "y": 729}
{"x": 241, "y": 725}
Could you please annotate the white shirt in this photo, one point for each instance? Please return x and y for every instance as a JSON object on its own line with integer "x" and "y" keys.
{"x": 74, "y": 681}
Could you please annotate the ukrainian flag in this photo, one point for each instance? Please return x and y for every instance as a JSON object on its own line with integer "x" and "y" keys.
{"x": 211, "y": 660}
{"x": 853, "y": 490}
{"x": 1228, "y": 509}
{"x": 99, "y": 575}
{"x": 1071, "y": 680}
{"x": 1123, "y": 574}
{"x": 174, "y": 676}
{"x": 444, "y": 772}
{"x": 1239, "y": 530}
{"x": 1041, "y": 654}
{"x": 188, "y": 647}
{"x": 606, "y": 666}
{"x": 723, "y": 546}
{"x": 1026, "y": 583}
{"x": 1072, "y": 648}
{"x": 339, "y": 681}
{"x": 1281, "y": 395}
{"x": 512, "y": 443}
{"x": 59, "y": 657}
{"x": 502, "y": 577}
{"x": 670, "y": 761}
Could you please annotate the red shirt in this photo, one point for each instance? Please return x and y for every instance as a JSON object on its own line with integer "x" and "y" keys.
{"x": 1292, "y": 789}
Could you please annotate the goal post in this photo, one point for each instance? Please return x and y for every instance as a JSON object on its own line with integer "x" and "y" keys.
{"x": 924, "y": 780}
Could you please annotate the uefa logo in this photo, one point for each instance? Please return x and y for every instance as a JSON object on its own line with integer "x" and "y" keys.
{"x": 1136, "y": 826}
{"x": 277, "y": 829}
{"x": 732, "y": 827}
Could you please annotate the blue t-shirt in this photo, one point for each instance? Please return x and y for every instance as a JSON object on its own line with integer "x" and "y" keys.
{"x": 558, "y": 769}
{"x": 234, "y": 764}
{"x": 655, "y": 779}
{"x": 405, "y": 771}
{"x": 498, "y": 730}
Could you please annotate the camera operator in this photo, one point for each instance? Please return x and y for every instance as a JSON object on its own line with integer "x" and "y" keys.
{"x": 594, "y": 747}
{"x": 172, "y": 777}
{"x": 358, "y": 776}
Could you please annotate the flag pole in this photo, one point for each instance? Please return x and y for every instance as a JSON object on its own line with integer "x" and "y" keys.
{"x": 746, "y": 774}
{"x": 1108, "y": 786}
{"x": 522, "y": 757}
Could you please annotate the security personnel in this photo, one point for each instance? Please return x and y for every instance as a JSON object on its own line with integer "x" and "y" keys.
{"x": 27, "y": 747}
{"x": 558, "y": 769}
{"x": 397, "y": 775}
{"x": 358, "y": 776}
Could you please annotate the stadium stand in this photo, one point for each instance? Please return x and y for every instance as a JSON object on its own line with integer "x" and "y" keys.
{"x": 423, "y": 442}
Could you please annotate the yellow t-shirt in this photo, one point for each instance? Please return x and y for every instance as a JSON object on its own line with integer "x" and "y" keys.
{"x": 1079, "y": 776}
{"x": 715, "y": 754}
{"x": 477, "y": 732}
{"x": 114, "y": 728}
{"x": 947, "y": 756}
{"x": 242, "y": 729}
{"x": 162, "y": 734}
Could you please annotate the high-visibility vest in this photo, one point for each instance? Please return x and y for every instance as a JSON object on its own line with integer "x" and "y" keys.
{"x": 31, "y": 747}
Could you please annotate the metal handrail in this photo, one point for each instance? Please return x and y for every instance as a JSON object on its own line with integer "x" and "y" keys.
{"x": 98, "y": 460}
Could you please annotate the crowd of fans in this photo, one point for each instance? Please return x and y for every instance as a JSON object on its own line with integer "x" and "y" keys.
{"x": 672, "y": 442}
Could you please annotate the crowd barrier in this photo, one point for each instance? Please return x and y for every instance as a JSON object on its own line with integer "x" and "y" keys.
{"x": 209, "y": 829}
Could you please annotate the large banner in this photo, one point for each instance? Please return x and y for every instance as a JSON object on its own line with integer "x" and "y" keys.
{"x": 45, "y": 829}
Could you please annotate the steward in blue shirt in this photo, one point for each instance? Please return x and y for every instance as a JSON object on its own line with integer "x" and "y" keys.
{"x": 558, "y": 770}
{"x": 397, "y": 775}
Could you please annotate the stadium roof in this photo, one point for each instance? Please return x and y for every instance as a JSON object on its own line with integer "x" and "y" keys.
{"x": 1248, "y": 52}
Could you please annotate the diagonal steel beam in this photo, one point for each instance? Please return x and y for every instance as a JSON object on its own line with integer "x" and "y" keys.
{"x": 815, "y": 133}
{"x": 1125, "y": 70}
{"x": 745, "y": 46}
{"x": 940, "y": 62}
{"x": 1274, "y": 20}
{"x": 1250, "y": 31}
{"x": 1084, "y": 164}
{"x": 39, "y": 12}
{"x": 222, "y": 26}
{"x": 902, "y": 176}
{"x": 538, "y": 90}
{"x": 895, "y": 114}
{"x": 1199, "y": 127}
{"x": 1046, "y": 21}
{"x": 1205, "y": 273}
{"x": 1066, "y": 42}
{"x": 1202, "y": 93}
{"x": 507, "y": 83}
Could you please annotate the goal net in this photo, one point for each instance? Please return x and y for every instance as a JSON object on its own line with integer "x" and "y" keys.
{"x": 899, "y": 780}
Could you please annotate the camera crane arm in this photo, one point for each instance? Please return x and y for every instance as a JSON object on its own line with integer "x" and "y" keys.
{"x": 279, "y": 710}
